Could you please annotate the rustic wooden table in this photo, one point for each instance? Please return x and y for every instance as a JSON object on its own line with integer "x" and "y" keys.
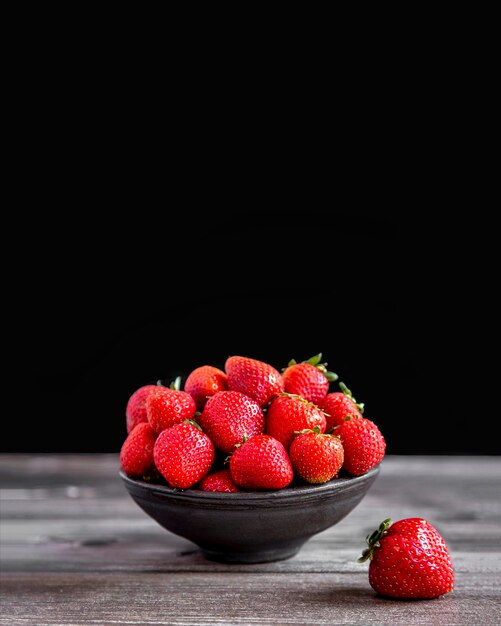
{"x": 76, "y": 550}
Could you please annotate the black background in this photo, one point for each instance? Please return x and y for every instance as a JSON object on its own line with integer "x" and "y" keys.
{"x": 175, "y": 200}
{"x": 114, "y": 300}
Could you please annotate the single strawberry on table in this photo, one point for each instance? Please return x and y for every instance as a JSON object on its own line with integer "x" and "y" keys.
{"x": 256, "y": 379}
{"x": 203, "y": 382}
{"x": 183, "y": 454}
{"x": 316, "y": 457}
{"x": 338, "y": 405}
{"x": 135, "y": 411}
{"x": 309, "y": 379}
{"x": 288, "y": 413}
{"x": 136, "y": 454}
{"x": 218, "y": 481}
{"x": 408, "y": 559}
{"x": 364, "y": 445}
{"x": 261, "y": 463}
{"x": 228, "y": 417}
{"x": 166, "y": 407}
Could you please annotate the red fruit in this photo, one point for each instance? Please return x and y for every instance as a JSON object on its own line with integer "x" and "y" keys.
{"x": 135, "y": 411}
{"x": 289, "y": 413}
{"x": 338, "y": 406}
{"x": 409, "y": 559}
{"x": 316, "y": 457}
{"x": 364, "y": 445}
{"x": 261, "y": 463}
{"x": 218, "y": 481}
{"x": 166, "y": 407}
{"x": 203, "y": 382}
{"x": 309, "y": 379}
{"x": 136, "y": 455}
{"x": 256, "y": 379}
{"x": 228, "y": 417}
{"x": 183, "y": 454}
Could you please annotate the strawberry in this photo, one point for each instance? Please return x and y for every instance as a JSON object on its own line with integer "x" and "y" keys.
{"x": 288, "y": 413}
{"x": 166, "y": 407}
{"x": 261, "y": 463}
{"x": 338, "y": 406}
{"x": 136, "y": 455}
{"x": 203, "y": 382}
{"x": 316, "y": 457}
{"x": 228, "y": 417}
{"x": 309, "y": 379}
{"x": 135, "y": 411}
{"x": 364, "y": 445}
{"x": 183, "y": 454}
{"x": 409, "y": 559}
{"x": 218, "y": 481}
{"x": 256, "y": 379}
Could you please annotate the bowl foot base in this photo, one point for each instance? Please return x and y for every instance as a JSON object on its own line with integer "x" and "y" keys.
{"x": 260, "y": 556}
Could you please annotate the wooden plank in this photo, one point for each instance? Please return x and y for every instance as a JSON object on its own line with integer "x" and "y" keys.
{"x": 107, "y": 546}
{"x": 242, "y": 598}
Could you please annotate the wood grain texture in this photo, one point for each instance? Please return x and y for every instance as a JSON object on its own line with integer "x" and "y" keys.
{"x": 75, "y": 549}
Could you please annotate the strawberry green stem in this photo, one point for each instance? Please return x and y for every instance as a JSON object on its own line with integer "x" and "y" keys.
{"x": 176, "y": 384}
{"x": 316, "y": 430}
{"x": 193, "y": 423}
{"x": 373, "y": 540}
{"x": 237, "y": 445}
{"x": 347, "y": 392}
{"x": 315, "y": 361}
{"x": 296, "y": 397}
{"x": 244, "y": 439}
{"x": 331, "y": 376}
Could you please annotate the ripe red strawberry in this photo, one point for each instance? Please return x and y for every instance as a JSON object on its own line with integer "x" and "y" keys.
{"x": 228, "y": 417}
{"x": 261, "y": 463}
{"x": 183, "y": 454}
{"x": 338, "y": 406}
{"x": 135, "y": 411}
{"x": 309, "y": 379}
{"x": 316, "y": 457}
{"x": 203, "y": 382}
{"x": 256, "y": 379}
{"x": 136, "y": 455}
{"x": 364, "y": 445}
{"x": 288, "y": 413}
{"x": 218, "y": 481}
{"x": 166, "y": 407}
{"x": 409, "y": 559}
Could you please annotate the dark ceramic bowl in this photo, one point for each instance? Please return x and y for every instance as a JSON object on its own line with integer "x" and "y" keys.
{"x": 250, "y": 526}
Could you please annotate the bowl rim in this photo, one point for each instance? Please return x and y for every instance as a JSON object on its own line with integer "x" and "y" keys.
{"x": 299, "y": 491}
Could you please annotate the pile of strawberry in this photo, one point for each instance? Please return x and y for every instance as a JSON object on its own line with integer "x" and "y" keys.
{"x": 275, "y": 428}
{"x": 270, "y": 428}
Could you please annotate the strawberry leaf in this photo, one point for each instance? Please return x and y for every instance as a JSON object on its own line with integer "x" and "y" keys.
{"x": 176, "y": 384}
{"x": 345, "y": 390}
{"x": 373, "y": 539}
{"x": 315, "y": 360}
{"x": 360, "y": 405}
